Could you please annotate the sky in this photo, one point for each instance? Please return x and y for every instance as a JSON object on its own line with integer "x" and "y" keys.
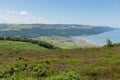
{"x": 87, "y": 12}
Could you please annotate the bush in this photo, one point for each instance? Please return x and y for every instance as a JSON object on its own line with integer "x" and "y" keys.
{"x": 109, "y": 43}
{"x": 71, "y": 75}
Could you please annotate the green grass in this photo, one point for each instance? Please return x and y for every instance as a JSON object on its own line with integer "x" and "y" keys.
{"x": 74, "y": 60}
{"x": 35, "y": 63}
{"x": 18, "y": 46}
{"x": 109, "y": 58}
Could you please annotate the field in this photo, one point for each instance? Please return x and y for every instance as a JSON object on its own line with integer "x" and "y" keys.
{"x": 6, "y": 46}
{"x": 25, "y": 61}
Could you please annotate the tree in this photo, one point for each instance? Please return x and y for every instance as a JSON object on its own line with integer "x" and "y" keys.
{"x": 109, "y": 43}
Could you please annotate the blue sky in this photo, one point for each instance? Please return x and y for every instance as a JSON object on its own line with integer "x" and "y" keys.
{"x": 89, "y": 12}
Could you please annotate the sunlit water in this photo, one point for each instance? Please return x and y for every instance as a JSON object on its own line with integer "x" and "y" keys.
{"x": 100, "y": 39}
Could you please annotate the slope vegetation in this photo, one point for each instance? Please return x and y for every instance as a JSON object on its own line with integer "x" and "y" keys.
{"x": 75, "y": 64}
{"x": 18, "y": 46}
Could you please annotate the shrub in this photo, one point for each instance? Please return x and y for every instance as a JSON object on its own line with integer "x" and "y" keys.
{"x": 109, "y": 43}
{"x": 71, "y": 75}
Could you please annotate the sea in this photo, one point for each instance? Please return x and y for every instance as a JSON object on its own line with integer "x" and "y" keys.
{"x": 100, "y": 39}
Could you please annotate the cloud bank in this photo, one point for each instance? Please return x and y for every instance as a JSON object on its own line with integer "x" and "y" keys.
{"x": 21, "y": 17}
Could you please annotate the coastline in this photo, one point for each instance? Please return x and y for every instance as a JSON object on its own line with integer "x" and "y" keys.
{"x": 99, "y": 39}
{"x": 69, "y": 42}
{"x": 88, "y": 42}
{"x": 84, "y": 40}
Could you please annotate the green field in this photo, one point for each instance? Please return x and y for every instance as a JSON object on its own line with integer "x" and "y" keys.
{"x": 6, "y": 46}
{"x": 26, "y": 61}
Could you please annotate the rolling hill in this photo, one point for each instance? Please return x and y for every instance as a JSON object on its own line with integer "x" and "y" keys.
{"x": 25, "y": 61}
{"x": 38, "y": 30}
{"x": 18, "y": 46}
{"x": 28, "y": 59}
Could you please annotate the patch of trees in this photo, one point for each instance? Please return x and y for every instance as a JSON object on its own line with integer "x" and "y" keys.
{"x": 37, "y": 42}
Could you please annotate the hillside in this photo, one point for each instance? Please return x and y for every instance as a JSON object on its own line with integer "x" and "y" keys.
{"x": 25, "y": 61}
{"x": 28, "y": 40}
{"x": 32, "y": 59}
{"x": 38, "y": 30}
{"x": 55, "y": 34}
{"x": 18, "y": 46}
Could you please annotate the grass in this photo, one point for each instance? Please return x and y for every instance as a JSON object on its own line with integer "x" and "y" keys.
{"x": 35, "y": 63}
{"x": 109, "y": 58}
{"x": 18, "y": 46}
{"x": 74, "y": 60}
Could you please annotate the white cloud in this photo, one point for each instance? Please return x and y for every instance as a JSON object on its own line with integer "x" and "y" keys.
{"x": 9, "y": 16}
{"x": 24, "y": 13}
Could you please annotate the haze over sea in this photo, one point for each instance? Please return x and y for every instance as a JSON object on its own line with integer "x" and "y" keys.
{"x": 100, "y": 39}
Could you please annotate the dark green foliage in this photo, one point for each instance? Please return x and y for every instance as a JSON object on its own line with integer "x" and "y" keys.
{"x": 109, "y": 43}
{"x": 20, "y": 66}
{"x": 6, "y": 72}
{"x": 116, "y": 44}
{"x": 40, "y": 43}
{"x": 41, "y": 70}
{"x": 47, "y": 45}
{"x": 70, "y": 75}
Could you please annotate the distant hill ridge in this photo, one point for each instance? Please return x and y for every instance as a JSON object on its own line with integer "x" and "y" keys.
{"x": 37, "y": 30}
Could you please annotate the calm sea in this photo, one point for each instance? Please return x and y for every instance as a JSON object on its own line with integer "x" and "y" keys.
{"x": 100, "y": 39}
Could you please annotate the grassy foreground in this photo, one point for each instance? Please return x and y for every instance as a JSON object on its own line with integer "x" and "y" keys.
{"x": 25, "y": 61}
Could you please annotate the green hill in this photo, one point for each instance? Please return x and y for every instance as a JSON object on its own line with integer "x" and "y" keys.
{"x": 38, "y": 30}
{"x": 36, "y": 42}
{"x": 26, "y": 61}
{"x": 54, "y": 34}
{"x": 6, "y": 46}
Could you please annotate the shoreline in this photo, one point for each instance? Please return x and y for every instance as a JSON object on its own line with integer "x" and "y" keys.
{"x": 89, "y": 42}
{"x": 70, "y": 42}
{"x": 84, "y": 40}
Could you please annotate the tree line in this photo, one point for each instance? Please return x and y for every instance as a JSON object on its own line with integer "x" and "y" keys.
{"x": 37, "y": 42}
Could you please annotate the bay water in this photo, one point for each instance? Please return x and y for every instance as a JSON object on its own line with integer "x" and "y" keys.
{"x": 100, "y": 39}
